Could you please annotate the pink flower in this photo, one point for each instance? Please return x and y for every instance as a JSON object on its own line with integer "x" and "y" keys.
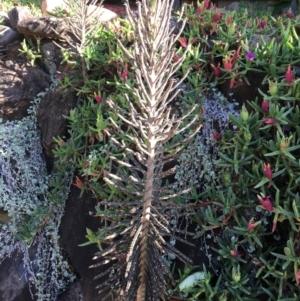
{"x": 268, "y": 171}
{"x": 250, "y": 56}
{"x": 266, "y": 202}
{"x": 289, "y": 75}
{"x": 217, "y": 136}
{"x": 265, "y": 106}
{"x": 297, "y": 277}
{"x": 270, "y": 121}
{"x": 124, "y": 75}
{"x": 251, "y": 224}
{"x": 234, "y": 253}
{"x": 217, "y": 70}
{"x": 183, "y": 42}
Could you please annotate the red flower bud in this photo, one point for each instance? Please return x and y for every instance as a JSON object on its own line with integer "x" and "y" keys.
{"x": 232, "y": 83}
{"x": 217, "y": 70}
{"x": 176, "y": 58}
{"x": 199, "y": 10}
{"x": 268, "y": 171}
{"x": 234, "y": 253}
{"x": 78, "y": 183}
{"x": 265, "y": 106}
{"x": 266, "y": 202}
{"x": 227, "y": 64}
{"x": 217, "y": 17}
{"x": 263, "y": 24}
{"x": 290, "y": 15}
{"x": 289, "y": 75}
{"x": 297, "y": 277}
{"x": 270, "y": 121}
{"x": 251, "y": 225}
{"x": 124, "y": 75}
{"x": 217, "y": 136}
{"x": 183, "y": 42}
{"x": 228, "y": 20}
{"x": 206, "y": 3}
{"x": 98, "y": 98}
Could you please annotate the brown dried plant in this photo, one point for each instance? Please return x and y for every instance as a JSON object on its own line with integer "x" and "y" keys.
{"x": 83, "y": 22}
{"x": 142, "y": 219}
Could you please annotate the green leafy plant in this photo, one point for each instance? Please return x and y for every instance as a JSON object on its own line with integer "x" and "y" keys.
{"x": 243, "y": 164}
{"x": 29, "y": 50}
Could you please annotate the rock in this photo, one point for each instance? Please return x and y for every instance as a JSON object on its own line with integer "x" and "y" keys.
{"x": 72, "y": 233}
{"x": 13, "y": 283}
{"x": 101, "y": 14}
{"x": 232, "y": 6}
{"x": 51, "y": 28}
{"x": 242, "y": 92}
{"x": 8, "y": 36}
{"x": 50, "y": 119}
{"x": 256, "y": 40}
{"x": 60, "y": 29}
{"x": 51, "y": 5}
{"x": 13, "y": 51}
{"x": 73, "y": 293}
{"x": 17, "y": 14}
{"x": 176, "y": 5}
{"x": 19, "y": 85}
{"x": 52, "y": 57}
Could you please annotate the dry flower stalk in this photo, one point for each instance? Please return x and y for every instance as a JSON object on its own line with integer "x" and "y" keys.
{"x": 143, "y": 225}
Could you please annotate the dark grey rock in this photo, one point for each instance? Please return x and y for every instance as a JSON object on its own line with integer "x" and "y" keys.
{"x": 17, "y": 14}
{"x": 72, "y": 233}
{"x": 52, "y": 57}
{"x": 13, "y": 283}
{"x": 73, "y": 293}
{"x": 12, "y": 51}
{"x": 52, "y": 28}
{"x": 50, "y": 119}
{"x": 19, "y": 84}
{"x": 8, "y": 36}
{"x": 232, "y": 6}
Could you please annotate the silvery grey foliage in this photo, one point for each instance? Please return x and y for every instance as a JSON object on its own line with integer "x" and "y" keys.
{"x": 23, "y": 177}
{"x": 199, "y": 167}
{"x": 23, "y": 195}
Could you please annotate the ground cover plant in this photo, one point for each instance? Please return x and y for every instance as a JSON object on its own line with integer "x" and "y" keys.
{"x": 243, "y": 165}
{"x": 33, "y": 5}
{"x": 242, "y": 210}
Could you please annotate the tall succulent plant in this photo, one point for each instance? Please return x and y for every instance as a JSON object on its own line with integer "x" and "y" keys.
{"x": 143, "y": 217}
